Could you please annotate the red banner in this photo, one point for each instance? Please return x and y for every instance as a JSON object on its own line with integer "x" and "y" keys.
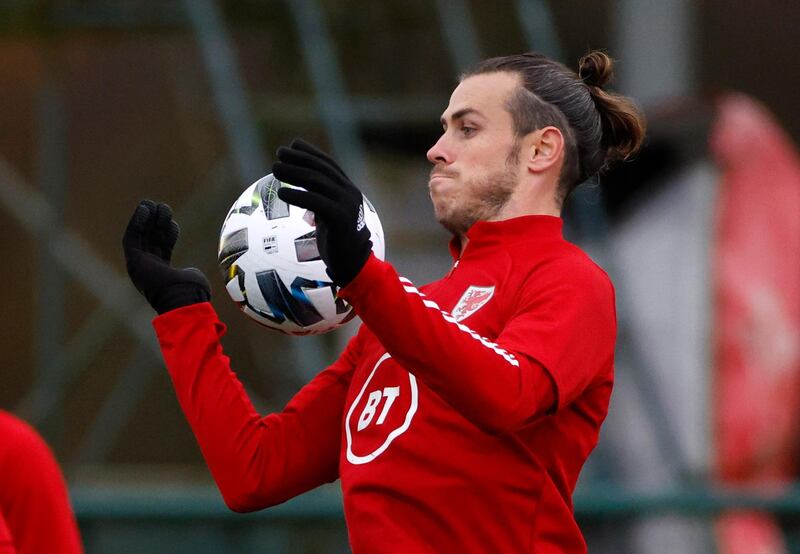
{"x": 757, "y": 312}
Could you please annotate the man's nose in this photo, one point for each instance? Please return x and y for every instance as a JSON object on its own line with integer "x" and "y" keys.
{"x": 439, "y": 153}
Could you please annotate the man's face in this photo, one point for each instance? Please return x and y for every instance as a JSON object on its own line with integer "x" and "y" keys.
{"x": 476, "y": 160}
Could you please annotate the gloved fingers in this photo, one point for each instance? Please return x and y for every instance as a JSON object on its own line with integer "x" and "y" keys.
{"x": 163, "y": 215}
{"x": 151, "y": 206}
{"x": 152, "y": 234}
{"x": 304, "y": 159}
{"x": 135, "y": 236}
{"x": 323, "y": 207}
{"x": 310, "y": 179}
{"x": 167, "y": 231}
{"x": 172, "y": 235}
{"x": 303, "y": 146}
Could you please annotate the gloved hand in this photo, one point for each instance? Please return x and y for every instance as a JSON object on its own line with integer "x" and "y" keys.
{"x": 148, "y": 243}
{"x": 342, "y": 234}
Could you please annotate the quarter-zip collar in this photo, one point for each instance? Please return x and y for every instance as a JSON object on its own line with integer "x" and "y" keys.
{"x": 492, "y": 233}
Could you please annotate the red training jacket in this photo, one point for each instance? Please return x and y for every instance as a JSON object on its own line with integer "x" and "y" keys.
{"x": 6, "y": 542}
{"x": 458, "y": 418}
{"x": 34, "y": 504}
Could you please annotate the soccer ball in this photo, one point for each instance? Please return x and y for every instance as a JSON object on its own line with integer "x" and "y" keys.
{"x": 271, "y": 266}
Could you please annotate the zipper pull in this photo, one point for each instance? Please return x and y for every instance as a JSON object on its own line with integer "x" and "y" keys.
{"x": 452, "y": 269}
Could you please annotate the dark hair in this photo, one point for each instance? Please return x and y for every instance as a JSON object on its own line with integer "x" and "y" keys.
{"x": 599, "y": 127}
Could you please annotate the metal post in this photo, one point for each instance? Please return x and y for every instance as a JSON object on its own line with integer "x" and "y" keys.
{"x": 228, "y": 89}
{"x": 655, "y": 39}
{"x": 51, "y": 279}
{"x": 459, "y": 33}
{"x": 539, "y": 28}
{"x": 117, "y": 408}
{"x": 240, "y": 128}
{"x": 333, "y": 103}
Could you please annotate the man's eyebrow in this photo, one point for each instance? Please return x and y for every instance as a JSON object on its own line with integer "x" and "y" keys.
{"x": 460, "y": 114}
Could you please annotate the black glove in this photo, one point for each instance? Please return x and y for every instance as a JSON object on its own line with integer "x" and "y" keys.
{"x": 342, "y": 234}
{"x": 148, "y": 243}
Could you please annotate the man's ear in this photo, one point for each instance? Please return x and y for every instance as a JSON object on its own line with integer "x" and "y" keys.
{"x": 545, "y": 149}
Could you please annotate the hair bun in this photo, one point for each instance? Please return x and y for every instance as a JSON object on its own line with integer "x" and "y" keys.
{"x": 596, "y": 68}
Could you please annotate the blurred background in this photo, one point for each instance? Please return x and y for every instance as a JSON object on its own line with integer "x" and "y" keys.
{"x": 105, "y": 102}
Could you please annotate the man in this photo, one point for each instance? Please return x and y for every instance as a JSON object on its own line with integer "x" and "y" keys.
{"x": 35, "y": 513}
{"x": 459, "y": 417}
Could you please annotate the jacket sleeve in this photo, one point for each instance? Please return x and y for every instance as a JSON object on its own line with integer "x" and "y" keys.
{"x": 256, "y": 461}
{"x": 6, "y": 541}
{"x": 500, "y": 386}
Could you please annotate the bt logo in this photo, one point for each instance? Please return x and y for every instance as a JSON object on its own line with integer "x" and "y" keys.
{"x": 381, "y": 412}
{"x": 390, "y": 394}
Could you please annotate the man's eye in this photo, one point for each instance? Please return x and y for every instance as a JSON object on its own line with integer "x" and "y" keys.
{"x": 468, "y": 131}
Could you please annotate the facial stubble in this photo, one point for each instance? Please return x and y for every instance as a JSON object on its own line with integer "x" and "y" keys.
{"x": 488, "y": 195}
